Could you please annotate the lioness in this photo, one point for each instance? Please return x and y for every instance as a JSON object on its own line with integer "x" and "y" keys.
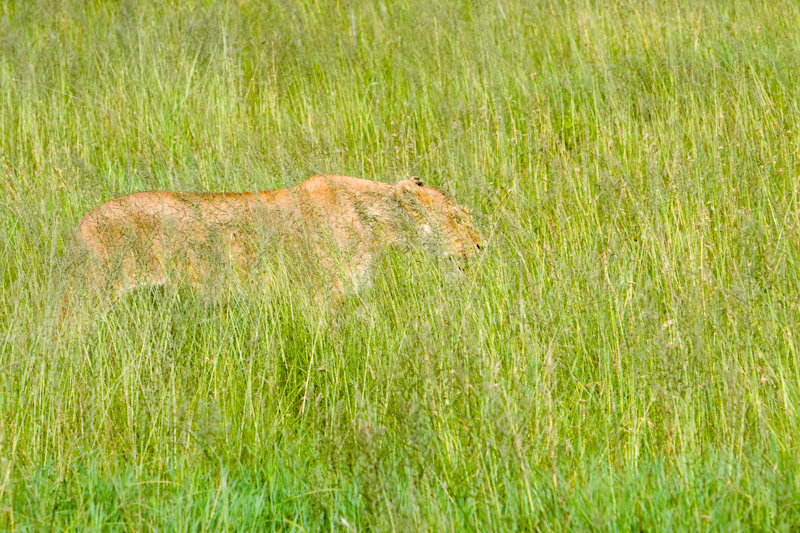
{"x": 333, "y": 226}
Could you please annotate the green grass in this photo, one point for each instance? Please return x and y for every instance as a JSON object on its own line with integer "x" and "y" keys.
{"x": 624, "y": 357}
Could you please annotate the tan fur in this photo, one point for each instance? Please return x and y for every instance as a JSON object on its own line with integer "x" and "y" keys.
{"x": 332, "y": 226}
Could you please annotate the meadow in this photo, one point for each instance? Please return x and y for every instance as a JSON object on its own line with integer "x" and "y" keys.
{"x": 622, "y": 357}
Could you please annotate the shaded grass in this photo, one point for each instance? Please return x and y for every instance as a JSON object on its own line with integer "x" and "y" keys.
{"x": 623, "y": 356}
{"x": 273, "y": 497}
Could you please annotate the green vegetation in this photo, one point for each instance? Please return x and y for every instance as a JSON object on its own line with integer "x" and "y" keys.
{"x": 623, "y": 357}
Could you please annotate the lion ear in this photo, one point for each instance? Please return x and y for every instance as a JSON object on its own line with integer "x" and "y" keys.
{"x": 410, "y": 186}
{"x": 410, "y": 183}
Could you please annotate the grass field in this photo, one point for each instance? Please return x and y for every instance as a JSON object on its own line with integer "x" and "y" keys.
{"x": 623, "y": 357}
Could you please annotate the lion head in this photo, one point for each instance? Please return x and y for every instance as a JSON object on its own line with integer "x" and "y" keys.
{"x": 438, "y": 220}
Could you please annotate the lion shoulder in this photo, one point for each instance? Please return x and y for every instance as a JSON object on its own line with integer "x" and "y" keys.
{"x": 328, "y": 186}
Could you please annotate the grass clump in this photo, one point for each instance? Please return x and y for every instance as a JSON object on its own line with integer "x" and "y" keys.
{"x": 623, "y": 356}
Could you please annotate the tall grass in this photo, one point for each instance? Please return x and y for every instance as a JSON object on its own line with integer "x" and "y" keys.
{"x": 624, "y": 355}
